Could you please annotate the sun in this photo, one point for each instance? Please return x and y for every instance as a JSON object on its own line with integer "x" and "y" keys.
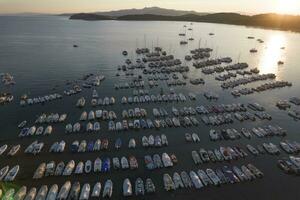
{"x": 287, "y": 6}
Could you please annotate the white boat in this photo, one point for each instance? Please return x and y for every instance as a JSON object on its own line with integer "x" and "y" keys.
{"x": 69, "y": 168}
{"x": 89, "y": 127}
{"x": 69, "y": 128}
{"x": 20, "y": 195}
{"x": 96, "y": 190}
{"x": 196, "y": 180}
{"x": 22, "y": 124}
{"x": 91, "y": 115}
{"x": 132, "y": 143}
{"x": 41, "y": 195}
{"x": 127, "y": 188}
{"x": 97, "y": 165}
{"x": 82, "y": 146}
{"x": 64, "y": 191}
{"x": 83, "y": 116}
{"x": 52, "y": 192}
{"x": 88, "y": 166}
{"x": 212, "y": 175}
{"x": 3, "y": 172}
{"x": 96, "y": 126}
{"x": 48, "y": 130}
{"x": 62, "y": 118}
{"x": 39, "y": 130}
{"x": 31, "y": 131}
{"x": 97, "y": 145}
{"x": 12, "y": 173}
{"x": 3, "y": 149}
{"x": 31, "y": 194}
{"x": 108, "y": 189}
{"x": 98, "y": 114}
{"x": 168, "y": 182}
{"x": 166, "y": 160}
{"x": 76, "y": 127}
{"x": 124, "y": 163}
{"x": 85, "y": 192}
{"x": 79, "y": 168}
{"x": 177, "y": 181}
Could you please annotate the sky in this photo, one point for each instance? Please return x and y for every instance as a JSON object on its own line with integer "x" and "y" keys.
{"x": 71, "y": 6}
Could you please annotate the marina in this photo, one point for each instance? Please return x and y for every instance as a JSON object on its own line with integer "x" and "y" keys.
{"x": 164, "y": 119}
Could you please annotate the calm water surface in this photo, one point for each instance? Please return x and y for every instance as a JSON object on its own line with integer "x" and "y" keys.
{"x": 39, "y": 53}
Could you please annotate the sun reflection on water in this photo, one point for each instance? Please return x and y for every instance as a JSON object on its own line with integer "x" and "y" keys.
{"x": 272, "y": 54}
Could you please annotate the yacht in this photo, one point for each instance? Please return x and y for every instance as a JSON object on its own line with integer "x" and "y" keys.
{"x": 127, "y": 188}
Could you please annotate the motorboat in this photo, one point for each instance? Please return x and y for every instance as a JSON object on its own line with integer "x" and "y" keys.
{"x": 64, "y": 191}
{"x": 42, "y": 192}
{"x": 96, "y": 190}
{"x": 12, "y": 173}
{"x": 85, "y": 192}
{"x": 127, "y": 188}
{"x": 108, "y": 189}
{"x": 52, "y": 192}
{"x": 168, "y": 182}
{"x": 74, "y": 191}
{"x": 31, "y": 194}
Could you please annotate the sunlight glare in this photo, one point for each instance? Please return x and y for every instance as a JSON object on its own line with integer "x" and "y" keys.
{"x": 286, "y": 6}
{"x": 272, "y": 54}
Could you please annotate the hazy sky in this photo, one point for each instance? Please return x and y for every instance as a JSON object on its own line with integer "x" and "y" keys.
{"x": 62, "y": 6}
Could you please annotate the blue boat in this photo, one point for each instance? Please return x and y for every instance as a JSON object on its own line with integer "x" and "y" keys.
{"x": 118, "y": 143}
{"x": 90, "y": 146}
{"x": 105, "y": 165}
{"x": 23, "y": 132}
{"x": 143, "y": 124}
{"x": 74, "y": 147}
{"x": 230, "y": 175}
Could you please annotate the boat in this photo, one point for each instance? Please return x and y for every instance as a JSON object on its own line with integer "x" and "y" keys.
{"x": 52, "y": 192}
{"x": 31, "y": 194}
{"x": 133, "y": 162}
{"x": 74, "y": 191}
{"x": 48, "y": 130}
{"x": 124, "y": 163}
{"x": 108, "y": 189}
{"x": 3, "y": 172}
{"x": 127, "y": 188}
{"x": 80, "y": 102}
{"x": 168, "y": 182}
{"x": 97, "y": 165}
{"x": 177, "y": 181}
{"x": 212, "y": 175}
{"x": 132, "y": 143}
{"x": 88, "y": 166}
{"x": 14, "y": 150}
{"x": 139, "y": 187}
{"x": 3, "y": 149}
{"x": 96, "y": 190}
{"x": 22, "y": 124}
{"x": 149, "y": 185}
{"x": 59, "y": 169}
{"x": 41, "y": 194}
{"x": 196, "y": 157}
{"x": 20, "y": 195}
{"x": 79, "y": 168}
{"x": 69, "y": 168}
{"x": 204, "y": 178}
{"x": 105, "y": 165}
{"x": 39, "y": 173}
{"x": 118, "y": 143}
{"x": 186, "y": 179}
{"x": 12, "y": 173}
{"x": 83, "y": 116}
{"x": 91, "y": 115}
{"x": 196, "y": 180}
{"x": 85, "y": 192}
{"x": 64, "y": 191}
